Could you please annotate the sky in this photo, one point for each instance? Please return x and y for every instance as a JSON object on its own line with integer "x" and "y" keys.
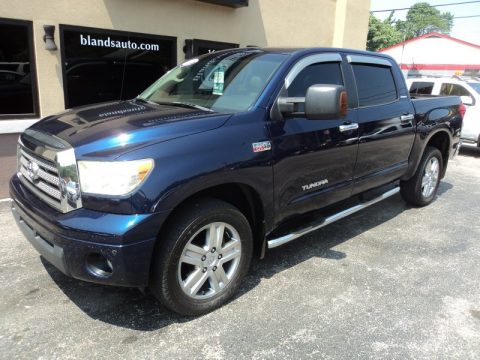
{"x": 464, "y": 29}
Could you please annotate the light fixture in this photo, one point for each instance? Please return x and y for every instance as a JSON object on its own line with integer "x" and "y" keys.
{"x": 48, "y": 37}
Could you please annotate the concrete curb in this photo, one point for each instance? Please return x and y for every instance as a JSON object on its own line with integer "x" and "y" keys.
{"x": 5, "y": 204}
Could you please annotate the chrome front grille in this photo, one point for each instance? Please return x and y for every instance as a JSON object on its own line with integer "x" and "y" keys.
{"x": 49, "y": 173}
{"x": 42, "y": 176}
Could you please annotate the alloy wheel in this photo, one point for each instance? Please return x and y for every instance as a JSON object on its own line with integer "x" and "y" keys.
{"x": 209, "y": 260}
{"x": 430, "y": 177}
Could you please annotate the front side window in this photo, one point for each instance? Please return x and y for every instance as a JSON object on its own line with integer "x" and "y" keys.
{"x": 421, "y": 88}
{"x": 228, "y": 81}
{"x": 17, "y": 78}
{"x": 321, "y": 73}
{"x": 375, "y": 84}
{"x": 453, "y": 89}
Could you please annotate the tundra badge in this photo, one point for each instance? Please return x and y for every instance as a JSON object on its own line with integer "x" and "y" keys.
{"x": 315, "y": 184}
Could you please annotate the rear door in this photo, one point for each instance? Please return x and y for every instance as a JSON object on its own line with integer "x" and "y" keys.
{"x": 314, "y": 159}
{"x": 386, "y": 122}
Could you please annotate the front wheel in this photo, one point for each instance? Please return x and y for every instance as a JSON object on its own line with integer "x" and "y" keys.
{"x": 205, "y": 255}
{"x": 422, "y": 188}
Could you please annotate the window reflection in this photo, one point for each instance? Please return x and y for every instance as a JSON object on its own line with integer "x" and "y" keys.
{"x": 103, "y": 66}
{"x": 16, "y": 88}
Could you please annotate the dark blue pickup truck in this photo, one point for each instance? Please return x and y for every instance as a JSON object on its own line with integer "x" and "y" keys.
{"x": 225, "y": 156}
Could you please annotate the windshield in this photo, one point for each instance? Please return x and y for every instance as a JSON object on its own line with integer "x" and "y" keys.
{"x": 228, "y": 81}
{"x": 475, "y": 86}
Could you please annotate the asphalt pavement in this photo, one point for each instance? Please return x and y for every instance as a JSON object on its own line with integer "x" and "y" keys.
{"x": 391, "y": 282}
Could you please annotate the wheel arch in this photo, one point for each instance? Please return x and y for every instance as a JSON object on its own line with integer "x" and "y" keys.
{"x": 440, "y": 139}
{"x": 242, "y": 196}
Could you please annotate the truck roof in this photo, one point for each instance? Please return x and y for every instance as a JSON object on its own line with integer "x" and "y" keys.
{"x": 305, "y": 51}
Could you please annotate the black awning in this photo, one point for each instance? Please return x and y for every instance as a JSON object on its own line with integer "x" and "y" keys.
{"x": 230, "y": 3}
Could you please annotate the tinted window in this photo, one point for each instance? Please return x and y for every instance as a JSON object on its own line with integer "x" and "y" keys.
{"x": 321, "y": 73}
{"x": 375, "y": 84}
{"x": 453, "y": 89}
{"x": 421, "y": 87}
{"x": 17, "y": 96}
{"x": 104, "y": 66}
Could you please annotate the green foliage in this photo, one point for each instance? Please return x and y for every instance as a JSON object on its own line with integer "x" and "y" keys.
{"x": 382, "y": 34}
{"x": 422, "y": 19}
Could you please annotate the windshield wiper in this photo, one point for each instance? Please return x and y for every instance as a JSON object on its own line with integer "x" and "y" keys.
{"x": 145, "y": 101}
{"x": 184, "y": 104}
{"x": 174, "y": 103}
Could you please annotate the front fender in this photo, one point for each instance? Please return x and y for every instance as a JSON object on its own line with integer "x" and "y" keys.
{"x": 188, "y": 165}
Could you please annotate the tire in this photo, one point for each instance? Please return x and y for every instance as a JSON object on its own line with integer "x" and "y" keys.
{"x": 194, "y": 271}
{"x": 422, "y": 188}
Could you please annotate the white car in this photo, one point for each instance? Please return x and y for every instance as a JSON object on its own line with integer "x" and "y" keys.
{"x": 468, "y": 88}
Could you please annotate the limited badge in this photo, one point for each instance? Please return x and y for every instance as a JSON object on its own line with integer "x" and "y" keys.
{"x": 261, "y": 146}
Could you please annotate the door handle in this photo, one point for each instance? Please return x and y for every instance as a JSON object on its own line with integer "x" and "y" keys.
{"x": 404, "y": 119}
{"x": 348, "y": 127}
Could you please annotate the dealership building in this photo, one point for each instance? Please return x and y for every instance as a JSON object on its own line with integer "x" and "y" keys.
{"x": 59, "y": 54}
{"x": 436, "y": 54}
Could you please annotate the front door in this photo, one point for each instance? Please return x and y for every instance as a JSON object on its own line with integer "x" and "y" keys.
{"x": 314, "y": 159}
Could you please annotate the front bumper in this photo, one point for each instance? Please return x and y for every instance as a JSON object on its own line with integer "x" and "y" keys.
{"x": 70, "y": 241}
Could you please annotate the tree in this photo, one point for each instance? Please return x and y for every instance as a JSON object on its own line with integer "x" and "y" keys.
{"x": 382, "y": 34}
{"x": 422, "y": 19}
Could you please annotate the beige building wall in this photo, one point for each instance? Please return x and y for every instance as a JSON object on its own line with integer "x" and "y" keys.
{"x": 299, "y": 23}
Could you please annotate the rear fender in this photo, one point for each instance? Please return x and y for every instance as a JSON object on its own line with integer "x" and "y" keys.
{"x": 422, "y": 140}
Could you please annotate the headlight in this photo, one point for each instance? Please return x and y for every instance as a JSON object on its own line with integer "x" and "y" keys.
{"x": 113, "y": 177}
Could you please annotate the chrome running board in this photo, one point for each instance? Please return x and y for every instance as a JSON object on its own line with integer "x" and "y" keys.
{"x": 335, "y": 217}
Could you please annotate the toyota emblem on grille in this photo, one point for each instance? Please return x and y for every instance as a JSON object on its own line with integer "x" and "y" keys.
{"x": 32, "y": 170}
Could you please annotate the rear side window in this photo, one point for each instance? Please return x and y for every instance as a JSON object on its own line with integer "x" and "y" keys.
{"x": 375, "y": 84}
{"x": 453, "y": 89}
{"x": 320, "y": 73}
{"x": 421, "y": 88}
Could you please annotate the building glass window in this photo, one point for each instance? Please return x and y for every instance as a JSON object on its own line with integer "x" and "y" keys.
{"x": 17, "y": 76}
{"x": 201, "y": 47}
{"x": 194, "y": 48}
{"x": 105, "y": 65}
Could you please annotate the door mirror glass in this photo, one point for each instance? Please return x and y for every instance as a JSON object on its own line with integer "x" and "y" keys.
{"x": 326, "y": 102}
{"x": 467, "y": 100}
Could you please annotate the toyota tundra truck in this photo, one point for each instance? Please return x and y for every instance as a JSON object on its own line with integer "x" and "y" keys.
{"x": 224, "y": 157}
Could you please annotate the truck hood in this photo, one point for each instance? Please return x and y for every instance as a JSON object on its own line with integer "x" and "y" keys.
{"x": 112, "y": 129}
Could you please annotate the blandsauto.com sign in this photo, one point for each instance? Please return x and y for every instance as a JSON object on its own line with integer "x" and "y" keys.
{"x": 88, "y": 40}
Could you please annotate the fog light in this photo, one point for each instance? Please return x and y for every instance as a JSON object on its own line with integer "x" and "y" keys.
{"x": 98, "y": 265}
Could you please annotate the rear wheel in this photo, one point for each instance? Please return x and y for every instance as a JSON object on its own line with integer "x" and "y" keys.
{"x": 422, "y": 188}
{"x": 205, "y": 255}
